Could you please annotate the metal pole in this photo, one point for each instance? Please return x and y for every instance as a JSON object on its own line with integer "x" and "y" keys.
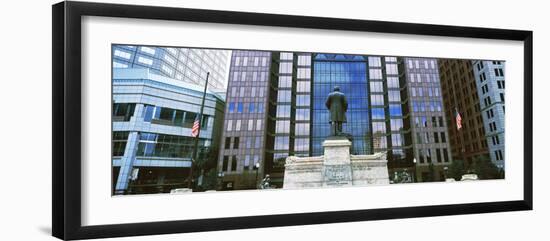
{"x": 196, "y": 149}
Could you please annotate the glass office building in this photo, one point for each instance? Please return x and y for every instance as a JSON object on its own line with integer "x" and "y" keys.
{"x": 152, "y": 145}
{"x": 157, "y": 92}
{"x": 185, "y": 64}
{"x": 349, "y": 72}
{"x": 431, "y": 146}
{"x": 244, "y": 134}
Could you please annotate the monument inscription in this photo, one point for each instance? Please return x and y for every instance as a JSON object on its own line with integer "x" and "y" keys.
{"x": 337, "y": 175}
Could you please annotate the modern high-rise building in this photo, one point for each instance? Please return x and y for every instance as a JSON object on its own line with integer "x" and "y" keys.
{"x": 288, "y": 123}
{"x": 428, "y": 120}
{"x": 152, "y": 120}
{"x": 490, "y": 88}
{"x": 185, "y": 64}
{"x": 243, "y": 144}
{"x": 350, "y": 73}
{"x": 389, "y": 113}
{"x": 157, "y": 94}
{"x": 460, "y": 95}
{"x": 267, "y": 116}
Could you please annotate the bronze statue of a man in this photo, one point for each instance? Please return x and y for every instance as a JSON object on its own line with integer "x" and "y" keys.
{"x": 337, "y": 105}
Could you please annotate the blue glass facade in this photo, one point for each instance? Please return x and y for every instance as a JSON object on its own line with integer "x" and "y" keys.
{"x": 350, "y": 73}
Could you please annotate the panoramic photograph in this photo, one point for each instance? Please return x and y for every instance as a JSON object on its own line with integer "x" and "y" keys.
{"x": 188, "y": 120}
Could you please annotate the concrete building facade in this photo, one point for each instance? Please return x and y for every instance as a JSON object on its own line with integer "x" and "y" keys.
{"x": 460, "y": 95}
{"x": 490, "y": 88}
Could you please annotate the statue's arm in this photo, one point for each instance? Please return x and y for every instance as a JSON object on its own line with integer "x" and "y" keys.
{"x": 327, "y": 102}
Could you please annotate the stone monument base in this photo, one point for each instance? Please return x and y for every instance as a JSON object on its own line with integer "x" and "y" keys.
{"x": 336, "y": 168}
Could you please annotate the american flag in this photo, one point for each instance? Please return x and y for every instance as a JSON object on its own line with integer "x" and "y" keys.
{"x": 195, "y": 129}
{"x": 458, "y": 119}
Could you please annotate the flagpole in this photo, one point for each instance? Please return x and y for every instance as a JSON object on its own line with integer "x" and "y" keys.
{"x": 458, "y": 131}
{"x": 196, "y": 149}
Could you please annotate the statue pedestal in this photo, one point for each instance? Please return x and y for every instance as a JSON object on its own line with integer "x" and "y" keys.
{"x": 337, "y": 162}
{"x": 336, "y": 168}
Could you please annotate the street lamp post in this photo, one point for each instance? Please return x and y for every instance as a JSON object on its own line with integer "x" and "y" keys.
{"x": 414, "y": 169}
{"x": 257, "y": 167}
{"x": 220, "y": 180}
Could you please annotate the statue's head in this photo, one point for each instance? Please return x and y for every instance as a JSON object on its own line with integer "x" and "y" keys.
{"x": 336, "y": 88}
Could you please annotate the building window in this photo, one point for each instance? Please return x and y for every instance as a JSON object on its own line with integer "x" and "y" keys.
{"x": 148, "y": 50}
{"x": 394, "y": 95}
{"x": 144, "y": 60}
{"x": 251, "y": 108}
{"x": 172, "y": 146}
{"x": 304, "y": 60}
{"x": 120, "y": 138}
{"x": 378, "y": 127}
{"x": 395, "y": 110}
{"x": 285, "y": 67}
{"x": 393, "y": 82}
{"x": 225, "y": 163}
{"x": 302, "y": 129}
{"x": 119, "y": 65}
{"x": 302, "y": 114}
{"x": 303, "y": 86}
{"x": 250, "y": 124}
{"x": 283, "y": 111}
{"x": 258, "y": 125}
{"x": 246, "y": 162}
{"x": 375, "y": 74}
{"x": 284, "y": 96}
{"x": 234, "y": 163}
{"x": 375, "y": 62}
{"x": 240, "y": 107}
{"x": 378, "y": 113}
{"x": 304, "y": 73}
{"x": 391, "y": 69}
{"x": 286, "y": 56}
{"x": 377, "y": 99}
{"x": 227, "y": 142}
{"x": 396, "y": 124}
{"x": 229, "y": 125}
{"x": 421, "y": 155}
{"x": 285, "y": 81}
{"x": 301, "y": 144}
{"x": 238, "y": 125}
{"x": 260, "y": 107}
{"x": 123, "y": 111}
{"x": 122, "y": 54}
{"x": 302, "y": 100}
{"x": 236, "y": 143}
{"x": 282, "y": 126}
{"x": 281, "y": 143}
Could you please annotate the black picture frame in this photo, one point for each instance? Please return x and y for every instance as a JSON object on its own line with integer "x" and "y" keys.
{"x": 66, "y": 153}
